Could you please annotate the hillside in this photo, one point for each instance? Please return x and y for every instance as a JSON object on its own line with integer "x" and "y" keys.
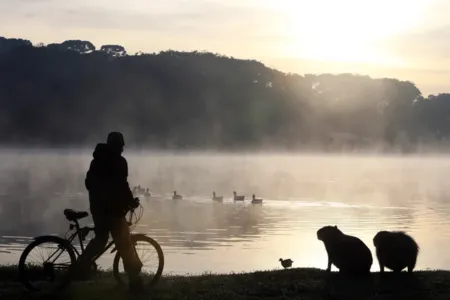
{"x": 71, "y": 94}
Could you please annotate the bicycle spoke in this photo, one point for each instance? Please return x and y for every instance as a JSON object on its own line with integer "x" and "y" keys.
{"x": 44, "y": 262}
{"x": 151, "y": 258}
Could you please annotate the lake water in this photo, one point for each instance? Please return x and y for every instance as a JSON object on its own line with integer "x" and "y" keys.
{"x": 359, "y": 194}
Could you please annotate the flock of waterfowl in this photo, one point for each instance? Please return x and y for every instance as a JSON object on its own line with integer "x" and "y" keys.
{"x": 145, "y": 192}
{"x": 237, "y": 197}
{"x": 216, "y": 198}
{"x": 140, "y": 191}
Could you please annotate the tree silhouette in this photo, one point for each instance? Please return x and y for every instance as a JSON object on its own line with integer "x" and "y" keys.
{"x": 7, "y": 45}
{"x": 114, "y": 50}
{"x": 53, "y": 95}
{"x": 81, "y": 47}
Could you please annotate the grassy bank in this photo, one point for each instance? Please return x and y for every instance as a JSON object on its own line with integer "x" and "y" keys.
{"x": 281, "y": 284}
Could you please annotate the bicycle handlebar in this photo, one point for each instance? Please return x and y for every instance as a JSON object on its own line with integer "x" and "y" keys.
{"x": 132, "y": 211}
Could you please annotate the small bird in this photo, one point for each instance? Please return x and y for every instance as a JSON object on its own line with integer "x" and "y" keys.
{"x": 176, "y": 196}
{"x": 286, "y": 263}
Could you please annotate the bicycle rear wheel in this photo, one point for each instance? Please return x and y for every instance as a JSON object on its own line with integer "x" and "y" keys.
{"x": 45, "y": 263}
{"x": 151, "y": 256}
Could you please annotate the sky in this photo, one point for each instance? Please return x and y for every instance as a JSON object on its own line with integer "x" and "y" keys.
{"x": 404, "y": 39}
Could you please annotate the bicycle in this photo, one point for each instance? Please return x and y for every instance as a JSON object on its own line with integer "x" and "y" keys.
{"x": 49, "y": 268}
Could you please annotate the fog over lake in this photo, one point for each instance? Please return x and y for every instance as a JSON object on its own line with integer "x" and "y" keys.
{"x": 359, "y": 194}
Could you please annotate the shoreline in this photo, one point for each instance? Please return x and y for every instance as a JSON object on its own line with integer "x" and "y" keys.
{"x": 297, "y": 283}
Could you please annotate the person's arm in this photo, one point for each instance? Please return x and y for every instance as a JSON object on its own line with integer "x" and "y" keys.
{"x": 88, "y": 179}
{"x": 124, "y": 179}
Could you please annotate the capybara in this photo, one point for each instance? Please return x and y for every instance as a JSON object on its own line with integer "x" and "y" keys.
{"x": 395, "y": 250}
{"x": 348, "y": 253}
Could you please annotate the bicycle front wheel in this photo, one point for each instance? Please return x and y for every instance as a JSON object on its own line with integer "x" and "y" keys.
{"x": 45, "y": 262}
{"x": 151, "y": 256}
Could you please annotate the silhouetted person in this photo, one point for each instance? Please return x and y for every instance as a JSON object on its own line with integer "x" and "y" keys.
{"x": 110, "y": 198}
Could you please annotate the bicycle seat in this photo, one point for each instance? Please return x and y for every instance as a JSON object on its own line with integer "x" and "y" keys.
{"x": 73, "y": 215}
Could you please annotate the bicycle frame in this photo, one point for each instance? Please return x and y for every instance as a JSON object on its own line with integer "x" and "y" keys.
{"x": 82, "y": 232}
{"x": 67, "y": 244}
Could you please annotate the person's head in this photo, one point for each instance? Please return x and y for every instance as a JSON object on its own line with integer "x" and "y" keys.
{"x": 116, "y": 141}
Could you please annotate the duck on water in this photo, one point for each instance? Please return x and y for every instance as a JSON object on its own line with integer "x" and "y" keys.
{"x": 256, "y": 200}
{"x": 238, "y": 198}
{"x": 176, "y": 196}
{"x": 217, "y": 198}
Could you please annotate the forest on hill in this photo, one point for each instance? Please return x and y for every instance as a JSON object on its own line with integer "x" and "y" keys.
{"x": 72, "y": 94}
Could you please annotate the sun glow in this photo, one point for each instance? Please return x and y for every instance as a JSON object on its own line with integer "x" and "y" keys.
{"x": 345, "y": 30}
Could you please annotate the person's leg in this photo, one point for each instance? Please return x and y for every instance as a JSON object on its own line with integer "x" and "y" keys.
{"x": 122, "y": 238}
{"x": 95, "y": 245}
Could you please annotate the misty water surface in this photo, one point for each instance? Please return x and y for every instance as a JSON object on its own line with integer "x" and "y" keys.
{"x": 301, "y": 193}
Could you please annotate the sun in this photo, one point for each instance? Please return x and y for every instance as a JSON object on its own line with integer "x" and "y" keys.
{"x": 345, "y": 30}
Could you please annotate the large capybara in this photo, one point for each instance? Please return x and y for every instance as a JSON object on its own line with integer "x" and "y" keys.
{"x": 348, "y": 253}
{"x": 395, "y": 250}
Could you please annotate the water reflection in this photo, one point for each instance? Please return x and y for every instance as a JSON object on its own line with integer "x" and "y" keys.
{"x": 301, "y": 194}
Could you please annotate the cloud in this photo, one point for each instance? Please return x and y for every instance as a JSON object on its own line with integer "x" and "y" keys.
{"x": 23, "y": 2}
{"x": 428, "y": 49}
{"x": 202, "y": 17}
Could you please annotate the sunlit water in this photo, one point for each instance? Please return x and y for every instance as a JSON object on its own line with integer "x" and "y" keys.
{"x": 361, "y": 195}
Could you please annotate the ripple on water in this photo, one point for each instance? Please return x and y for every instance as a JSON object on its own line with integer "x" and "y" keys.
{"x": 359, "y": 197}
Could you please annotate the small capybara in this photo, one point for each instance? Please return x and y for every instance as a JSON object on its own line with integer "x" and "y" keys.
{"x": 395, "y": 250}
{"x": 348, "y": 253}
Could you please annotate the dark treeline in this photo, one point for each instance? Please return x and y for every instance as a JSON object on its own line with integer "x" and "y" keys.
{"x": 73, "y": 94}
